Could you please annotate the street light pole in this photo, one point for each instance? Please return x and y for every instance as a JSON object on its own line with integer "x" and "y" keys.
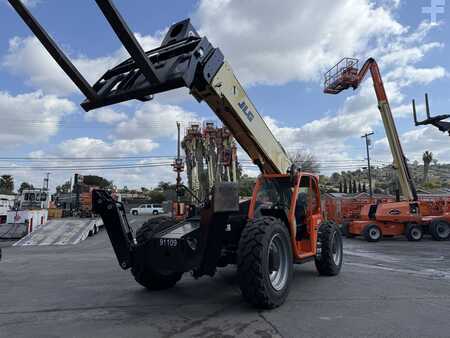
{"x": 366, "y": 136}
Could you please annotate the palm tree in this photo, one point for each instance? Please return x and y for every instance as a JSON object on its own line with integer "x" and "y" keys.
{"x": 25, "y": 186}
{"x": 427, "y": 158}
{"x": 6, "y": 183}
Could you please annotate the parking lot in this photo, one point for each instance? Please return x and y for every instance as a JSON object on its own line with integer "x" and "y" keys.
{"x": 391, "y": 288}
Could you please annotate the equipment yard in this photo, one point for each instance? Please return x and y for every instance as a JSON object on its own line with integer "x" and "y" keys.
{"x": 388, "y": 288}
{"x": 268, "y": 174}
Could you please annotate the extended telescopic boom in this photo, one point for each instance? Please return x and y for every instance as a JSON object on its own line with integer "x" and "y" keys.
{"x": 184, "y": 59}
{"x": 345, "y": 75}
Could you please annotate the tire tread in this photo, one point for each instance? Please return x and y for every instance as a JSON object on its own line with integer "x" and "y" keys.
{"x": 250, "y": 263}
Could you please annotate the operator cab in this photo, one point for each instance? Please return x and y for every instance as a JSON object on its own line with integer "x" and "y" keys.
{"x": 296, "y": 203}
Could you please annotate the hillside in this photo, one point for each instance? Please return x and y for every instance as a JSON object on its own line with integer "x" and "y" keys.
{"x": 384, "y": 179}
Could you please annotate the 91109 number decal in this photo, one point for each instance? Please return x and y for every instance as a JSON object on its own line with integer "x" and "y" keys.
{"x": 168, "y": 242}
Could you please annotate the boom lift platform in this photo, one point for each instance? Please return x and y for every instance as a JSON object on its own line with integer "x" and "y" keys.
{"x": 281, "y": 225}
{"x": 391, "y": 218}
{"x": 437, "y": 121}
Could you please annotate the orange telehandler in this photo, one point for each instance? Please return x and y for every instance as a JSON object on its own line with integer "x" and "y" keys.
{"x": 392, "y": 218}
{"x": 281, "y": 226}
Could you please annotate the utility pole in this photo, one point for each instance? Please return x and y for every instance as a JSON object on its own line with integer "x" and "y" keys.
{"x": 178, "y": 167}
{"x": 46, "y": 180}
{"x": 366, "y": 136}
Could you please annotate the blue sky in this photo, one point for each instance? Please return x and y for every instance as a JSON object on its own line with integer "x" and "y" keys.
{"x": 279, "y": 51}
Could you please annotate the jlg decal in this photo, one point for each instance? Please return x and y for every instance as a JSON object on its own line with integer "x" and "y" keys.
{"x": 394, "y": 212}
{"x": 247, "y": 112}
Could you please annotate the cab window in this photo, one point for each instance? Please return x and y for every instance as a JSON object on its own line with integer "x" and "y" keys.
{"x": 301, "y": 207}
{"x": 314, "y": 197}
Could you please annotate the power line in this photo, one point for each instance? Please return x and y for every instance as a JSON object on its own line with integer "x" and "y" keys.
{"x": 72, "y": 168}
{"x": 111, "y": 158}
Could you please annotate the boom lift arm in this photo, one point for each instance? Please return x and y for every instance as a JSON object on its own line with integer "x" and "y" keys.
{"x": 345, "y": 75}
{"x": 183, "y": 59}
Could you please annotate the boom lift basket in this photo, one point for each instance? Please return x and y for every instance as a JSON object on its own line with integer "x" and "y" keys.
{"x": 342, "y": 76}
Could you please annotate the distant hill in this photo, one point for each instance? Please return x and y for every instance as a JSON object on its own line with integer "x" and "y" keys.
{"x": 385, "y": 180}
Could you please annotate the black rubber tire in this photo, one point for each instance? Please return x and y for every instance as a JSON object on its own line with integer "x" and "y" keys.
{"x": 413, "y": 232}
{"x": 134, "y": 213}
{"x": 144, "y": 275}
{"x": 329, "y": 243}
{"x": 369, "y": 234}
{"x": 152, "y": 226}
{"x": 435, "y": 230}
{"x": 155, "y": 212}
{"x": 253, "y": 262}
{"x": 153, "y": 280}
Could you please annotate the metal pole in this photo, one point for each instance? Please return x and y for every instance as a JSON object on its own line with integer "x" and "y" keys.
{"x": 178, "y": 145}
{"x": 46, "y": 180}
{"x": 178, "y": 186}
{"x": 366, "y": 136}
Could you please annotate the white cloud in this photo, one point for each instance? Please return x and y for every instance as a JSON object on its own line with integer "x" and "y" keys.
{"x": 31, "y": 3}
{"x": 27, "y": 3}
{"x": 415, "y": 142}
{"x": 28, "y": 58}
{"x": 399, "y": 55}
{"x": 408, "y": 75}
{"x": 105, "y": 115}
{"x": 92, "y": 147}
{"x": 97, "y": 148}
{"x": 30, "y": 118}
{"x": 155, "y": 120}
{"x": 292, "y": 40}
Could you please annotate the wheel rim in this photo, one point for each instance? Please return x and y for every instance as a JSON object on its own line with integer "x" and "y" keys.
{"x": 278, "y": 261}
{"x": 416, "y": 233}
{"x": 374, "y": 233}
{"x": 336, "y": 248}
{"x": 443, "y": 230}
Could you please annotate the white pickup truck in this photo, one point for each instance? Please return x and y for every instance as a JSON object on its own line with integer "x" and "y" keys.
{"x": 145, "y": 209}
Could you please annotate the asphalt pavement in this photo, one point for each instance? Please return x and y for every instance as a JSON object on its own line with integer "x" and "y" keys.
{"x": 391, "y": 288}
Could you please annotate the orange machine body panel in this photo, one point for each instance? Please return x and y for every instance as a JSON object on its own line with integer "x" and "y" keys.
{"x": 387, "y": 228}
{"x": 391, "y": 217}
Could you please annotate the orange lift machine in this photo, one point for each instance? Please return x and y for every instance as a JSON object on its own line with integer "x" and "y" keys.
{"x": 390, "y": 218}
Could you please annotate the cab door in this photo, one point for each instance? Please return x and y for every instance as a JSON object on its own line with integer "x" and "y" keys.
{"x": 315, "y": 213}
{"x": 305, "y": 215}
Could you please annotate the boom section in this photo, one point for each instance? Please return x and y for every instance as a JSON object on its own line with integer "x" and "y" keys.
{"x": 345, "y": 75}
{"x": 229, "y": 101}
{"x": 184, "y": 59}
